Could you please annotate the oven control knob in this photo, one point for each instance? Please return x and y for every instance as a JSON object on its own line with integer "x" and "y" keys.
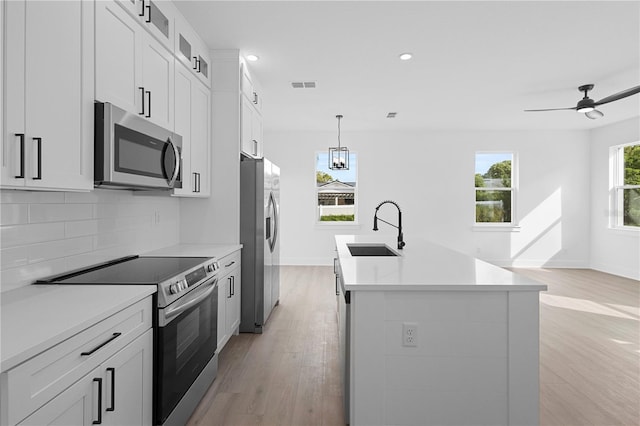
{"x": 173, "y": 289}
{"x": 213, "y": 267}
{"x": 183, "y": 284}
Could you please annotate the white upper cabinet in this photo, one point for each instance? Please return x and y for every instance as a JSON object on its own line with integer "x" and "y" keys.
{"x": 201, "y": 137}
{"x": 157, "y": 83}
{"x": 118, "y": 57}
{"x": 156, "y": 16}
{"x": 251, "y": 117}
{"x": 191, "y": 50}
{"x": 48, "y": 95}
{"x": 192, "y": 118}
{"x": 133, "y": 70}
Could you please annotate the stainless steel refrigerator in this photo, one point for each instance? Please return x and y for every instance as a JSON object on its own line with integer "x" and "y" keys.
{"x": 259, "y": 235}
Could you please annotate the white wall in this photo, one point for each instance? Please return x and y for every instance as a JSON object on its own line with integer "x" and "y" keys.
{"x": 46, "y": 233}
{"x": 612, "y": 250}
{"x": 430, "y": 174}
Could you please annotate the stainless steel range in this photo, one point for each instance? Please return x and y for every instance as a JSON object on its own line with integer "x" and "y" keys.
{"x": 185, "y": 327}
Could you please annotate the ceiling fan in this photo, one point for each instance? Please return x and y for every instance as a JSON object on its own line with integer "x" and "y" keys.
{"x": 588, "y": 105}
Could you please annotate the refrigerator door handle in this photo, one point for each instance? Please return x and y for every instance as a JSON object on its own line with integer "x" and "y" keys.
{"x": 267, "y": 228}
{"x": 272, "y": 203}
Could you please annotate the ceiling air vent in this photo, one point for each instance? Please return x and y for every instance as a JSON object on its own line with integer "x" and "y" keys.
{"x": 303, "y": 84}
{"x": 392, "y": 115}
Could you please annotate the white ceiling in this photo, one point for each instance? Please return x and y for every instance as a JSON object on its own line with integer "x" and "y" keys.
{"x": 476, "y": 64}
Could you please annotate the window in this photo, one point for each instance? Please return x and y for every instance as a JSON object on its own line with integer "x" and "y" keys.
{"x": 626, "y": 178}
{"x": 336, "y": 190}
{"x": 494, "y": 187}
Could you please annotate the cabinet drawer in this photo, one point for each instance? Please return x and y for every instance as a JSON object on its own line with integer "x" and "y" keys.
{"x": 229, "y": 263}
{"x": 38, "y": 380}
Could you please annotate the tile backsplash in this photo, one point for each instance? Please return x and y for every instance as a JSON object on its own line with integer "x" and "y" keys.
{"x": 46, "y": 233}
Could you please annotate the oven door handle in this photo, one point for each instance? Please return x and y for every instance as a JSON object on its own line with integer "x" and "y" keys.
{"x": 192, "y": 301}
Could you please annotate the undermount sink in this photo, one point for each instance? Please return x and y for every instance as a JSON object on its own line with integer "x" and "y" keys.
{"x": 370, "y": 250}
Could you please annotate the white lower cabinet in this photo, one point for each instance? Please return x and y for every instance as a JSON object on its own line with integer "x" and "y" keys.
{"x": 116, "y": 393}
{"x": 102, "y": 375}
{"x": 74, "y": 406}
{"x": 229, "y": 293}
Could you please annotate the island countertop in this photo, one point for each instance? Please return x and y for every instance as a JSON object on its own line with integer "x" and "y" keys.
{"x": 422, "y": 266}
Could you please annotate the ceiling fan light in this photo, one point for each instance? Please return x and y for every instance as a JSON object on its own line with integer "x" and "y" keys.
{"x": 594, "y": 114}
{"x": 586, "y": 109}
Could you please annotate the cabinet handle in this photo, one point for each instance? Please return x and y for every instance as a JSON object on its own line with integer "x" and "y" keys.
{"x": 255, "y": 98}
{"x": 196, "y": 64}
{"x": 149, "y": 105}
{"x": 21, "y": 161}
{"x": 233, "y": 285}
{"x": 113, "y": 337}
{"x": 255, "y": 147}
{"x": 142, "y": 10}
{"x": 99, "y": 421}
{"x": 232, "y": 262}
{"x": 142, "y": 97}
{"x": 198, "y": 190}
{"x": 113, "y": 389}
{"x": 230, "y": 294}
{"x": 38, "y": 176}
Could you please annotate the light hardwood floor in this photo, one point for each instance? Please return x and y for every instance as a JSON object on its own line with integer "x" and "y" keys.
{"x": 589, "y": 355}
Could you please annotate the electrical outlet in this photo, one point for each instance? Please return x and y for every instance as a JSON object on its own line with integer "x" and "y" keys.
{"x": 410, "y": 334}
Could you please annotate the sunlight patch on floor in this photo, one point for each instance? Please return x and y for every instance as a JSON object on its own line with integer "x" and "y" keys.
{"x": 582, "y": 305}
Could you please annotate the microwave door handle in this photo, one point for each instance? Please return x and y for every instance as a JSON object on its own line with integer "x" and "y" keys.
{"x": 176, "y": 169}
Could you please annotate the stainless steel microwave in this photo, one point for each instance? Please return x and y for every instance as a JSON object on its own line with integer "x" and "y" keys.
{"x": 133, "y": 153}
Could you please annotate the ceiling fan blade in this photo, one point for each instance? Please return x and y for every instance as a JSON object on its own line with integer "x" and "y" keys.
{"x": 594, "y": 114}
{"x": 619, "y": 95}
{"x": 549, "y": 109}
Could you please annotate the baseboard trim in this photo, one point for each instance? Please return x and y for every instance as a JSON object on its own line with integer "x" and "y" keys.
{"x": 621, "y": 271}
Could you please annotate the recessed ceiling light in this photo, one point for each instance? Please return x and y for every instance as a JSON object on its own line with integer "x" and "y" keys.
{"x": 252, "y": 58}
{"x": 405, "y": 56}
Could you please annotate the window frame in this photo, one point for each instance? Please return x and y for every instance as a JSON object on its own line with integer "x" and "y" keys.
{"x": 513, "y": 225}
{"x": 353, "y": 160}
{"x": 618, "y": 186}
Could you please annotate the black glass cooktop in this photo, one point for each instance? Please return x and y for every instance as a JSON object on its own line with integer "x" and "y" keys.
{"x": 133, "y": 270}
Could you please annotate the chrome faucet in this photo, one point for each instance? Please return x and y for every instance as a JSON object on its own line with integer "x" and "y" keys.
{"x": 401, "y": 243}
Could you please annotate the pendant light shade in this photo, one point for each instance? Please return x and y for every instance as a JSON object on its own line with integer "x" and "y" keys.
{"x": 338, "y": 155}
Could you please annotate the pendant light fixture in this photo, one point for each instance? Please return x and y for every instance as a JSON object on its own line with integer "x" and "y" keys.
{"x": 339, "y": 156}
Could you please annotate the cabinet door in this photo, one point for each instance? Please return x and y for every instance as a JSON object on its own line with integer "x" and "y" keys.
{"x": 249, "y": 145}
{"x": 13, "y": 137}
{"x": 57, "y": 101}
{"x": 77, "y": 405}
{"x": 223, "y": 294}
{"x": 256, "y": 132}
{"x": 128, "y": 381}
{"x": 48, "y": 95}
{"x": 233, "y": 303}
{"x": 200, "y": 136}
{"x": 157, "y": 82}
{"x": 118, "y": 57}
{"x": 182, "y": 126}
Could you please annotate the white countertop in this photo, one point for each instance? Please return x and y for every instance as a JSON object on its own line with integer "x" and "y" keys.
{"x": 423, "y": 266}
{"x": 196, "y": 250}
{"x": 37, "y": 317}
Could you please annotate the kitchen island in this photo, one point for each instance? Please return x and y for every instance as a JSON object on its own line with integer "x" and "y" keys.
{"x": 433, "y": 336}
